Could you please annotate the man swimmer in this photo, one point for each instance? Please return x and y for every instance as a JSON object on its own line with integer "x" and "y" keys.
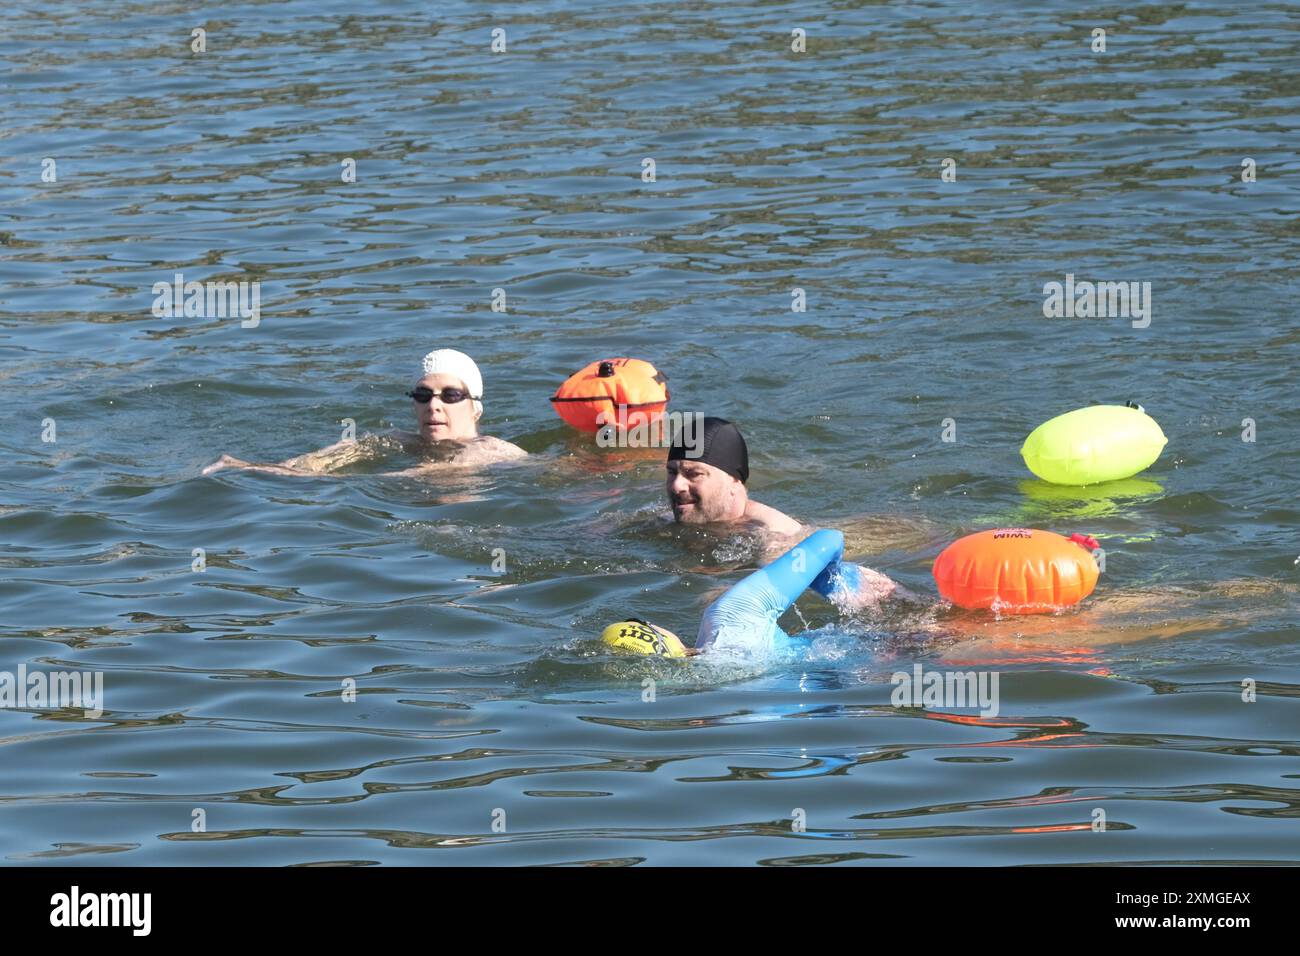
{"x": 707, "y": 485}
{"x": 706, "y": 482}
{"x": 447, "y": 400}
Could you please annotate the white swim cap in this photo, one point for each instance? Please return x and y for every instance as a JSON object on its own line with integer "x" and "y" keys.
{"x": 451, "y": 362}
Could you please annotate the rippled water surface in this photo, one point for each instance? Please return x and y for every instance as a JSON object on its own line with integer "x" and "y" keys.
{"x": 489, "y": 728}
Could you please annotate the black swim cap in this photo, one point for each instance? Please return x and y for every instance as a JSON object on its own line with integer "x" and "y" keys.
{"x": 721, "y": 446}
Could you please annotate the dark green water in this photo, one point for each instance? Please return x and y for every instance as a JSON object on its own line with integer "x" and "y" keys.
{"x": 482, "y": 692}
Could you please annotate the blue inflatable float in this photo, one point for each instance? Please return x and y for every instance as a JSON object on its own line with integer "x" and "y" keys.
{"x": 744, "y": 619}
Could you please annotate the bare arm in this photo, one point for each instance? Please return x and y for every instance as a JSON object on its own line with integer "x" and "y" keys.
{"x": 313, "y": 463}
{"x": 327, "y": 459}
{"x": 230, "y": 461}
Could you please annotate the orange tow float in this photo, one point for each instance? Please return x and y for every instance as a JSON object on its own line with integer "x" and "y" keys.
{"x": 622, "y": 392}
{"x": 1017, "y": 570}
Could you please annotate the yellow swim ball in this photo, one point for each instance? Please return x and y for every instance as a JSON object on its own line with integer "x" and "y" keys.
{"x": 642, "y": 638}
{"x": 1090, "y": 445}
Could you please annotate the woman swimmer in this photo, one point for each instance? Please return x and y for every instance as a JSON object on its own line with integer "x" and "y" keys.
{"x": 448, "y": 402}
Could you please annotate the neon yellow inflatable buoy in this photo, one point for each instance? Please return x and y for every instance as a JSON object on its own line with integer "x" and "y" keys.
{"x": 642, "y": 638}
{"x": 1094, "y": 444}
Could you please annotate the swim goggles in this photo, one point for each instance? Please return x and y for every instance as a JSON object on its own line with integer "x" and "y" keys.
{"x": 448, "y": 396}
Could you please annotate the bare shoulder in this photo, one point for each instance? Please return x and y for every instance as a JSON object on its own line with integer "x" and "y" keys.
{"x": 780, "y": 532}
{"x": 773, "y": 521}
{"x": 486, "y": 449}
{"x": 476, "y": 453}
